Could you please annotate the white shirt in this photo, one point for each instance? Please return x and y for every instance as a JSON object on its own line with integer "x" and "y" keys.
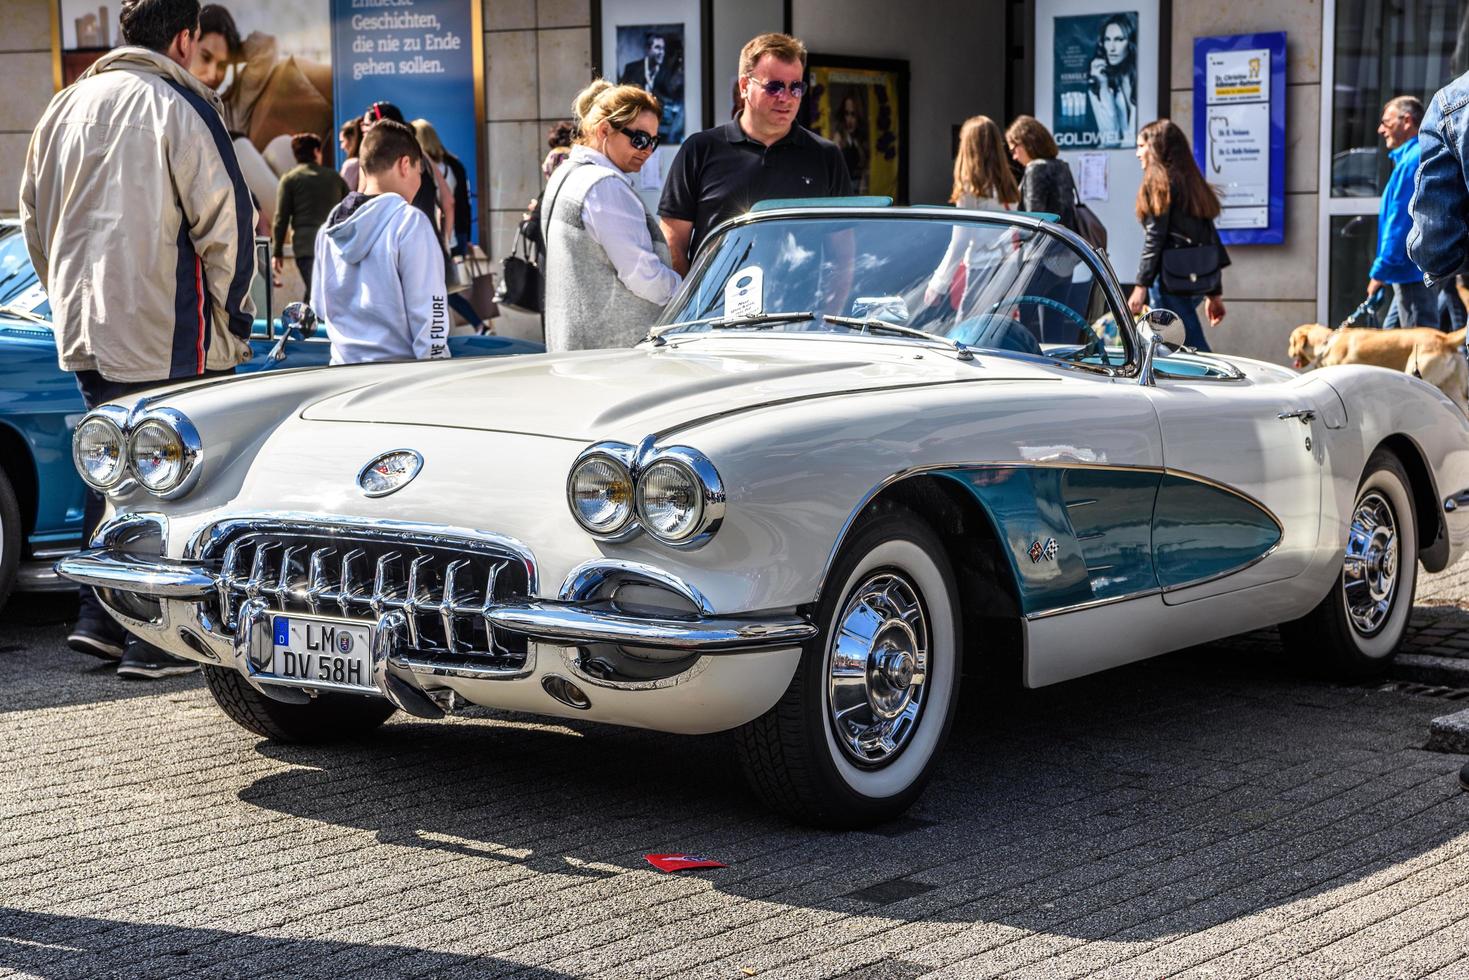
{"x": 965, "y": 244}
{"x": 617, "y": 219}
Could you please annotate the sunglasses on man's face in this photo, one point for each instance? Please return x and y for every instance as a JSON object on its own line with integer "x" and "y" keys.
{"x": 640, "y": 140}
{"x": 774, "y": 88}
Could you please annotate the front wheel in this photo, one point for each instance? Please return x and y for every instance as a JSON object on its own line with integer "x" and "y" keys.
{"x": 1356, "y": 629}
{"x": 328, "y": 717}
{"x": 858, "y": 732}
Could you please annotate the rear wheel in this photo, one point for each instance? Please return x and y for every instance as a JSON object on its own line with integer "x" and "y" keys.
{"x": 858, "y": 732}
{"x": 1357, "y": 628}
{"x": 327, "y": 718}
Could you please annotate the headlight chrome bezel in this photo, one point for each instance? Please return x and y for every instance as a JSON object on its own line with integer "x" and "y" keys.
{"x": 706, "y": 483}
{"x": 635, "y": 461}
{"x": 621, "y": 458}
{"x": 191, "y": 450}
{"x": 115, "y": 417}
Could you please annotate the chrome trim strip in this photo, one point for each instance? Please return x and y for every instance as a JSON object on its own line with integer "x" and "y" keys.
{"x": 1455, "y": 501}
{"x": 473, "y": 672}
{"x": 569, "y": 625}
{"x": 157, "y": 578}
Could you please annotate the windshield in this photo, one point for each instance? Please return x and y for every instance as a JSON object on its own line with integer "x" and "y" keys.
{"x": 19, "y": 289}
{"x": 985, "y": 284}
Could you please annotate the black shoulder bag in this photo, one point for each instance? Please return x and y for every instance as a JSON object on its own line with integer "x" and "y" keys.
{"x": 523, "y": 271}
{"x": 1191, "y": 268}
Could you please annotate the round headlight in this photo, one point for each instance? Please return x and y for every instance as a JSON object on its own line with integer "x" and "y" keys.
{"x": 670, "y": 500}
{"x": 156, "y": 452}
{"x": 601, "y": 494}
{"x": 98, "y": 451}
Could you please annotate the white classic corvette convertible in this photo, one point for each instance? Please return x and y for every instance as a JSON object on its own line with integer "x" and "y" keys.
{"x": 861, "y": 446}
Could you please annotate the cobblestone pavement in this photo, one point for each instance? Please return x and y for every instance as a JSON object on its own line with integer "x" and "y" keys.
{"x": 1217, "y": 812}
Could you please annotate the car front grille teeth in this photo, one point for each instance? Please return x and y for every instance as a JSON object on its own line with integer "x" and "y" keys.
{"x": 443, "y": 592}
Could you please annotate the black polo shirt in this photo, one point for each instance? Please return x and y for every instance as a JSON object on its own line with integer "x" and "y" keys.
{"x": 722, "y": 172}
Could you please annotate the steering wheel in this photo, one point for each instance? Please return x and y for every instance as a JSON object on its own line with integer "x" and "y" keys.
{"x": 1045, "y": 301}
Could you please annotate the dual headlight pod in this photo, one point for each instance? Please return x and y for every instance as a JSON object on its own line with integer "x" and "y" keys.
{"x": 159, "y": 449}
{"x": 674, "y": 494}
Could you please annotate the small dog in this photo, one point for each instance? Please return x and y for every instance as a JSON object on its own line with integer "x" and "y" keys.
{"x": 1437, "y": 358}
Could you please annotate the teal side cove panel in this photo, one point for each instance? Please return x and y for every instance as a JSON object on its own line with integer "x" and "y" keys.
{"x": 1201, "y": 532}
{"x": 1111, "y": 514}
{"x": 1100, "y": 520}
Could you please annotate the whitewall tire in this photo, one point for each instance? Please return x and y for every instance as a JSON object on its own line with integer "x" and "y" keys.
{"x": 860, "y": 728}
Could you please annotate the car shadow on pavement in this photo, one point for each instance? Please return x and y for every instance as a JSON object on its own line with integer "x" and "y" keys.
{"x": 1213, "y": 784}
{"x": 61, "y": 947}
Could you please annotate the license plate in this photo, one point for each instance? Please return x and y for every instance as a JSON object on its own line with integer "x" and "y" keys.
{"x": 321, "y": 651}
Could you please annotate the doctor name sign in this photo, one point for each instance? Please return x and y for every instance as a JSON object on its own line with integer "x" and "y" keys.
{"x": 1239, "y": 132}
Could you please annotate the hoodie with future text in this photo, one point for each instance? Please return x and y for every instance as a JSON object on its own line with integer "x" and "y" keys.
{"x": 379, "y": 282}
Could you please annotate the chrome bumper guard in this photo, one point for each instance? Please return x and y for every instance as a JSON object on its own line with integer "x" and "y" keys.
{"x": 561, "y": 623}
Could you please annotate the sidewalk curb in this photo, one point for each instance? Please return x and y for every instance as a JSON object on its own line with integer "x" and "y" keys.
{"x": 1449, "y": 733}
{"x": 1427, "y": 669}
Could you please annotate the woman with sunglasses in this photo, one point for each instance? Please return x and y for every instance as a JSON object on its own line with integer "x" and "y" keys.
{"x": 607, "y": 270}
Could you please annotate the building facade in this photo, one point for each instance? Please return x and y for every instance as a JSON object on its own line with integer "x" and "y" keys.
{"x": 1345, "y": 59}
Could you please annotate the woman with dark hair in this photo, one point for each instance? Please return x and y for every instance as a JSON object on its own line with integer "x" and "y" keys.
{"x": 349, "y": 138}
{"x": 1177, "y": 209}
{"x": 1047, "y": 184}
{"x": 1112, "y": 87}
{"x": 559, "y": 138}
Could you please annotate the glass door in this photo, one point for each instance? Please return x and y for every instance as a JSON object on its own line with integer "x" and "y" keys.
{"x": 1375, "y": 50}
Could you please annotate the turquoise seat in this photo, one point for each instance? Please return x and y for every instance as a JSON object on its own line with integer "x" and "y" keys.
{"x": 991, "y": 331}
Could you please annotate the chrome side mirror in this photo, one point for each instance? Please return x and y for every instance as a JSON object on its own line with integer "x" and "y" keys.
{"x": 1150, "y": 327}
{"x": 298, "y": 317}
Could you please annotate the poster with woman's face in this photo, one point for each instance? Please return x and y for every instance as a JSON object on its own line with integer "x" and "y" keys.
{"x": 1096, "y": 81}
{"x": 857, "y": 109}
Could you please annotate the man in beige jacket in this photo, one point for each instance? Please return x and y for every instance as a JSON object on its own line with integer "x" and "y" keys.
{"x": 141, "y": 226}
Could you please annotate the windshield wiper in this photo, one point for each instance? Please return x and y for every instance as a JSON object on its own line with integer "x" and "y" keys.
{"x": 16, "y": 311}
{"x": 731, "y": 322}
{"x": 872, "y": 323}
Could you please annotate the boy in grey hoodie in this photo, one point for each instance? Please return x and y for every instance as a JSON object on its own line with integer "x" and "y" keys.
{"x": 379, "y": 282}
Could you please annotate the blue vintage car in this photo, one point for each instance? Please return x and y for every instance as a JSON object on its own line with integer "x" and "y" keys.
{"x": 41, "y": 495}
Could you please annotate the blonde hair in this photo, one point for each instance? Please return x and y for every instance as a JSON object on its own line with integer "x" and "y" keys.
{"x": 783, "y": 46}
{"x": 428, "y": 138}
{"x": 980, "y": 168}
{"x": 618, "y": 105}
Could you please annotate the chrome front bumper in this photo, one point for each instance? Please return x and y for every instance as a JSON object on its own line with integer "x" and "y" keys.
{"x": 557, "y": 622}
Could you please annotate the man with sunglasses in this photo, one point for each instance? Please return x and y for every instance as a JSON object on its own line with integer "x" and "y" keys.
{"x": 762, "y": 153}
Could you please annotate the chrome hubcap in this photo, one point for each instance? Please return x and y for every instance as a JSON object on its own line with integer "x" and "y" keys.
{"x": 877, "y": 667}
{"x": 1370, "y": 572}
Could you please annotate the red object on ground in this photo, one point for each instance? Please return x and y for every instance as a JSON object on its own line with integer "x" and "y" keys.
{"x": 681, "y": 862}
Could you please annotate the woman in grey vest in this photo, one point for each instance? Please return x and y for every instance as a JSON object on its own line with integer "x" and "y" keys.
{"x": 607, "y": 268}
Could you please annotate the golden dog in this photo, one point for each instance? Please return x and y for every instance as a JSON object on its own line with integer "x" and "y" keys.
{"x": 1437, "y": 358}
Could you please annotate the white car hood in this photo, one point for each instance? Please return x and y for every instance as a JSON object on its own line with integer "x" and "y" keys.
{"x": 631, "y": 393}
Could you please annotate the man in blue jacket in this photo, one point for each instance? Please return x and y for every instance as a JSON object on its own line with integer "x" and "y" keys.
{"x": 1414, "y": 304}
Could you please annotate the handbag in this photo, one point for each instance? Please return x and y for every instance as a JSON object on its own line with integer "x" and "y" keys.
{"x": 1192, "y": 269}
{"x": 520, "y": 278}
{"x": 456, "y": 276}
{"x": 1088, "y": 225}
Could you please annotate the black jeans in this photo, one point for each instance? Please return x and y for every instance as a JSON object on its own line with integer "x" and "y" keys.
{"x": 303, "y": 266}
{"x": 97, "y": 390}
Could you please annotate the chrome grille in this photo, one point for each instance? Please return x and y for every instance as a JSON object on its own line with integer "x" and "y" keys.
{"x": 444, "y": 588}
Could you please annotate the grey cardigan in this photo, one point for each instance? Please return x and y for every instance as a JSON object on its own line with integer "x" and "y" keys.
{"x": 587, "y": 305}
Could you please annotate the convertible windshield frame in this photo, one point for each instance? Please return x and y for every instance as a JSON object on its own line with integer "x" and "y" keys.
{"x": 1097, "y": 262}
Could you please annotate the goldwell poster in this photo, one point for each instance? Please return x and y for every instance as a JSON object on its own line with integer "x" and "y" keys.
{"x": 1095, "y": 81}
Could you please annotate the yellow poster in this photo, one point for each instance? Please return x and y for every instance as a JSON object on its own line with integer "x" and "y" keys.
{"x": 858, "y": 110}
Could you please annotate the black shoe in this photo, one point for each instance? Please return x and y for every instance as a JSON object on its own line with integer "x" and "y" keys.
{"x": 97, "y": 635}
{"x": 144, "y": 661}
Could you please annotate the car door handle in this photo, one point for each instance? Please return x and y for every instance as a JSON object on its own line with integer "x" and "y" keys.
{"x": 1304, "y": 415}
